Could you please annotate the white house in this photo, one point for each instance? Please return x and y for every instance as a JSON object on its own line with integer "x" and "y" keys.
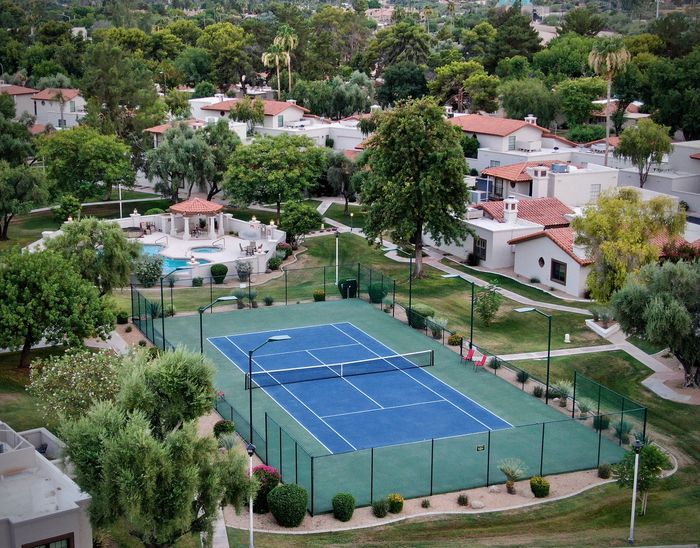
{"x": 550, "y": 257}
{"x": 60, "y": 107}
{"x": 22, "y": 98}
{"x": 158, "y": 132}
{"x": 680, "y": 177}
{"x": 40, "y": 506}
{"x": 277, "y": 114}
{"x": 574, "y": 184}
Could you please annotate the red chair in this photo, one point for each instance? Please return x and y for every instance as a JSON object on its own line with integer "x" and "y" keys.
{"x": 469, "y": 357}
{"x": 480, "y": 363}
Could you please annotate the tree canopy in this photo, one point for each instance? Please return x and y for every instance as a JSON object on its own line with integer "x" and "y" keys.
{"x": 645, "y": 144}
{"x": 298, "y": 220}
{"x": 583, "y": 21}
{"x": 21, "y": 189}
{"x": 403, "y": 80}
{"x": 415, "y": 184}
{"x": 44, "y": 297}
{"x": 617, "y": 232}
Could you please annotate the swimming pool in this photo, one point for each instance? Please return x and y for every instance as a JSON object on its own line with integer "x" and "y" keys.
{"x": 169, "y": 263}
{"x": 207, "y": 249}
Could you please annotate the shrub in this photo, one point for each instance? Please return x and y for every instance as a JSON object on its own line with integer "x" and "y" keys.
{"x": 153, "y": 352}
{"x": 148, "y": 269}
{"x": 585, "y": 406}
{"x": 252, "y": 296}
{"x": 538, "y": 391}
{"x": 122, "y": 317}
{"x": 523, "y": 376}
{"x": 418, "y": 314}
{"x": 380, "y": 508}
{"x": 153, "y": 309}
{"x": 128, "y": 329}
{"x": 604, "y": 471}
{"x": 605, "y": 318}
{"x": 218, "y": 272}
{"x": 488, "y": 302}
{"x": 227, "y": 441}
{"x": 376, "y": 292}
{"x": 154, "y": 211}
{"x": 395, "y": 503}
{"x": 455, "y": 339}
{"x": 463, "y": 499}
{"x": 564, "y": 389}
{"x": 343, "y": 506}
{"x": 513, "y": 470}
{"x": 601, "y": 422}
{"x": 274, "y": 263}
{"x": 288, "y": 504}
{"x": 622, "y": 431}
{"x": 595, "y": 311}
{"x": 142, "y": 343}
{"x": 170, "y": 311}
{"x": 268, "y": 300}
{"x": 539, "y": 486}
{"x": 319, "y": 295}
{"x": 197, "y": 282}
{"x": 437, "y": 326}
{"x": 241, "y": 295}
{"x": 223, "y": 427}
{"x": 244, "y": 269}
{"x": 494, "y": 363}
{"x": 534, "y": 280}
{"x": 268, "y": 478}
{"x": 68, "y": 206}
{"x": 425, "y": 503}
{"x": 473, "y": 260}
{"x": 285, "y": 248}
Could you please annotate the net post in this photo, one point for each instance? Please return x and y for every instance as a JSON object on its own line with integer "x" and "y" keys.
{"x": 432, "y": 463}
{"x": 432, "y": 358}
{"x": 542, "y": 449}
{"x": 573, "y": 403}
{"x": 285, "y": 287}
{"x": 488, "y": 457}
{"x": 371, "y": 477}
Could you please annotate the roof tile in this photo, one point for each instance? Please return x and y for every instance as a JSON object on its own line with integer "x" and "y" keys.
{"x": 548, "y": 212}
{"x": 51, "y": 94}
{"x": 272, "y": 108}
{"x": 490, "y": 125}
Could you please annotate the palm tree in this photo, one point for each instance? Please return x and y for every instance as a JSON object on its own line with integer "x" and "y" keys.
{"x": 608, "y": 58}
{"x": 451, "y": 9}
{"x": 427, "y": 13}
{"x": 271, "y": 58}
{"x": 287, "y": 39}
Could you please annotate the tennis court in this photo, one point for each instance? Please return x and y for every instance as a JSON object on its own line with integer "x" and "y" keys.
{"x": 351, "y": 391}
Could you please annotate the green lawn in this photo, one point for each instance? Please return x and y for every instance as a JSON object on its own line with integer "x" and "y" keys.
{"x": 513, "y": 285}
{"x": 337, "y": 213}
{"x": 128, "y": 194}
{"x": 645, "y": 345}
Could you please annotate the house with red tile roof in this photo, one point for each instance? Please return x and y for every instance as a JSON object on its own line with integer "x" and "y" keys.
{"x": 633, "y": 112}
{"x": 22, "y": 98}
{"x": 574, "y": 184}
{"x": 158, "y": 132}
{"x": 60, "y": 107}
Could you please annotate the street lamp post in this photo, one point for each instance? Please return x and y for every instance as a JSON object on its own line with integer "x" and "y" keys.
{"x": 637, "y": 446}
{"x": 549, "y": 343}
{"x": 337, "y": 239}
{"x": 471, "y": 315}
{"x": 351, "y": 220}
{"x": 202, "y": 310}
{"x": 250, "y": 448}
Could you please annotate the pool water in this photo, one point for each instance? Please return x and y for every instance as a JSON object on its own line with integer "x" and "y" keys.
{"x": 168, "y": 262}
{"x": 206, "y": 249}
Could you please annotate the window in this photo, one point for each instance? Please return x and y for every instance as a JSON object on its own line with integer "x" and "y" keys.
{"x": 498, "y": 188}
{"x": 541, "y": 262}
{"x": 280, "y": 120}
{"x": 72, "y": 106}
{"x": 63, "y": 541}
{"x": 558, "y": 273}
{"x": 511, "y": 142}
{"x": 480, "y": 248}
{"x": 595, "y": 192}
{"x": 61, "y": 123}
{"x": 495, "y": 163}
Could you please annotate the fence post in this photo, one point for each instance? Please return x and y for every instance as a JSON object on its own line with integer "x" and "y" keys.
{"x": 211, "y": 297}
{"x": 542, "y": 450}
{"x": 432, "y": 463}
{"x": 644, "y": 428}
{"x": 312, "y": 486}
{"x": 622, "y": 421}
{"x": 266, "y": 436}
{"x": 370, "y": 283}
{"x": 359, "y": 284}
{"x": 371, "y": 476}
{"x": 162, "y": 313}
{"x": 280, "y": 431}
{"x": 131, "y": 287}
{"x": 393, "y": 301}
{"x": 488, "y": 457}
{"x": 324, "y": 280}
{"x": 285, "y": 287}
{"x": 296, "y": 462}
{"x": 600, "y": 434}
{"x": 249, "y": 300}
{"x": 573, "y": 403}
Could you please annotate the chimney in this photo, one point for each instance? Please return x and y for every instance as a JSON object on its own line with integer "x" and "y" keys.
{"x": 510, "y": 210}
{"x": 220, "y": 97}
{"x": 531, "y": 119}
{"x": 292, "y": 101}
{"x": 375, "y": 108}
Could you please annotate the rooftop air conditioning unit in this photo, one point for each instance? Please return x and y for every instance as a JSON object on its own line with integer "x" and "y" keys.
{"x": 477, "y": 196}
{"x": 560, "y": 168}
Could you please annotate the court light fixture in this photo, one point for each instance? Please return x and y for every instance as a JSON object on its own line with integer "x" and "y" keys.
{"x": 203, "y": 309}
{"x": 471, "y": 320}
{"x": 549, "y": 342}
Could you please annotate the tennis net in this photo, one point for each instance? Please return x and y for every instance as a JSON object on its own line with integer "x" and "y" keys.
{"x": 397, "y": 362}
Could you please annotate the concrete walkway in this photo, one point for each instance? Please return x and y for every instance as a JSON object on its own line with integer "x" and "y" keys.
{"x": 562, "y": 352}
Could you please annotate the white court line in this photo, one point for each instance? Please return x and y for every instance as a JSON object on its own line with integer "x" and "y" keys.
{"x": 300, "y": 401}
{"x": 392, "y": 407}
{"x": 355, "y": 387}
{"x": 419, "y": 382}
{"x": 283, "y": 329}
{"x": 304, "y": 350}
{"x": 271, "y": 397}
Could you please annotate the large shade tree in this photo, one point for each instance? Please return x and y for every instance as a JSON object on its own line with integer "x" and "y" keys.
{"x": 645, "y": 145}
{"x": 140, "y": 457}
{"x": 617, "y": 233}
{"x": 661, "y": 303}
{"x": 275, "y": 170}
{"x": 21, "y": 189}
{"x": 608, "y": 58}
{"x": 44, "y": 297}
{"x": 415, "y": 184}
{"x": 99, "y": 250}
{"x": 404, "y": 41}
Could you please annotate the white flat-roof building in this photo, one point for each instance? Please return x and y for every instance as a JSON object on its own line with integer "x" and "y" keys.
{"x": 40, "y": 506}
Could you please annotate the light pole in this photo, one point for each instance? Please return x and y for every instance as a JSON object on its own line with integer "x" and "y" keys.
{"x": 410, "y": 287}
{"x": 549, "y": 343}
{"x": 202, "y": 310}
{"x": 337, "y": 238}
{"x": 637, "y": 446}
{"x": 471, "y": 314}
{"x": 351, "y": 220}
{"x": 250, "y": 448}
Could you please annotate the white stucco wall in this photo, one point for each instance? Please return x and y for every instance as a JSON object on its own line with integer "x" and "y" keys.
{"x": 49, "y": 112}
{"x": 23, "y": 103}
{"x": 526, "y": 264}
{"x": 684, "y": 187}
{"x": 574, "y": 188}
{"x": 680, "y": 160}
{"x": 291, "y": 114}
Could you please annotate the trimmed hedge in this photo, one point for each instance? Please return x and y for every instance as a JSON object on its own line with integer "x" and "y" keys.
{"x": 218, "y": 272}
{"x": 604, "y": 471}
{"x": 122, "y": 317}
{"x": 224, "y": 427}
{"x": 269, "y": 478}
{"x": 274, "y": 263}
{"x": 343, "y": 506}
{"x": 197, "y": 282}
{"x": 601, "y": 422}
{"x": 455, "y": 339}
{"x": 377, "y": 292}
{"x": 154, "y": 211}
{"x": 418, "y": 315}
{"x": 288, "y": 504}
{"x": 539, "y": 486}
{"x": 395, "y": 503}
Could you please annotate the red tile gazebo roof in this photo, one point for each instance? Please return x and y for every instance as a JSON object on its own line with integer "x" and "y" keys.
{"x": 196, "y": 206}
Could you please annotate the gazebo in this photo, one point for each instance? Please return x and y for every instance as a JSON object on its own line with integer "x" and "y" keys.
{"x": 196, "y": 207}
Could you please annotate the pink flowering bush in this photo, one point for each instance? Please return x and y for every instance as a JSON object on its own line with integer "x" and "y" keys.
{"x": 268, "y": 478}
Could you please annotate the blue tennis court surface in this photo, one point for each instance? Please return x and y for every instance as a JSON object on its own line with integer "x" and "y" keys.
{"x": 366, "y": 401}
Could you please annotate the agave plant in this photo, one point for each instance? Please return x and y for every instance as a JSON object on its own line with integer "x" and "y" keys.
{"x": 513, "y": 469}
{"x": 564, "y": 390}
{"x": 585, "y": 406}
{"x": 227, "y": 441}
